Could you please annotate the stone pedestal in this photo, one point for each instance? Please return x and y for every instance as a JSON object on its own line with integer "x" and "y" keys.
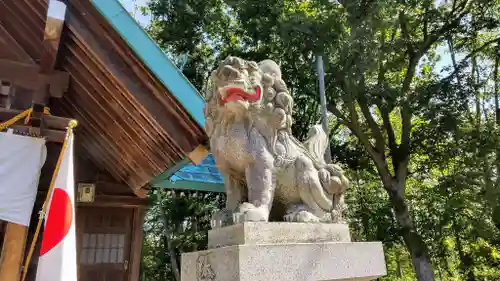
{"x": 284, "y": 252}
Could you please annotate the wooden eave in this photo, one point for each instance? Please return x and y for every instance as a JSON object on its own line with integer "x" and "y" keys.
{"x": 131, "y": 124}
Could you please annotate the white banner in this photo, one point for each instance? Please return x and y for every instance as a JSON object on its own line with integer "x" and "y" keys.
{"x": 21, "y": 159}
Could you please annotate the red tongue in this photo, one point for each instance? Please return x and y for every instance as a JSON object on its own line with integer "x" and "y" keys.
{"x": 233, "y": 94}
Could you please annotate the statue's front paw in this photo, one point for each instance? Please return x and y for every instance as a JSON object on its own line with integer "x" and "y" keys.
{"x": 334, "y": 216}
{"x": 300, "y": 213}
{"x": 248, "y": 212}
{"x": 301, "y": 216}
{"x": 222, "y": 218}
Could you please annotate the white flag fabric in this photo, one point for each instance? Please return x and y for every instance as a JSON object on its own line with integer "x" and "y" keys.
{"x": 21, "y": 160}
{"x": 57, "y": 260}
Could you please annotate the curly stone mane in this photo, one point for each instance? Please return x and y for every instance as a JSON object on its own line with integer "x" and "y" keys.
{"x": 276, "y": 103}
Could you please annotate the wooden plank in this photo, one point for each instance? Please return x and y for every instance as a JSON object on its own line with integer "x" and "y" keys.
{"x": 13, "y": 252}
{"x": 136, "y": 247}
{"x": 95, "y": 91}
{"x": 198, "y": 154}
{"x": 19, "y": 53}
{"x": 29, "y": 77}
{"x": 14, "y": 20}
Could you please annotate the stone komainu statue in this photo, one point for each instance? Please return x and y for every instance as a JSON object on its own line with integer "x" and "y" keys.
{"x": 269, "y": 175}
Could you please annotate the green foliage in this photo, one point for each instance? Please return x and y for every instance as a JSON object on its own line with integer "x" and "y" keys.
{"x": 177, "y": 222}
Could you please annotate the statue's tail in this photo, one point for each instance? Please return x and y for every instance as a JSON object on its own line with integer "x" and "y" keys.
{"x": 317, "y": 142}
{"x": 332, "y": 178}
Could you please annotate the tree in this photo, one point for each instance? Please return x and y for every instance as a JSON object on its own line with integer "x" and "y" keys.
{"x": 176, "y": 223}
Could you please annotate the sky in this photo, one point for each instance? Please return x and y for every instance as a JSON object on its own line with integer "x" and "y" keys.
{"x": 130, "y": 7}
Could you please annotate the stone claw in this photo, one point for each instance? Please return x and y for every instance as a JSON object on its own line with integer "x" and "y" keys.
{"x": 300, "y": 214}
{"x": 305, "y": 216}
{"x": 248, "y": 212}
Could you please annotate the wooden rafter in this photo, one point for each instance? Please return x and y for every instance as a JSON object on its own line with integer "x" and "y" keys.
{"x": 54, "y": 24}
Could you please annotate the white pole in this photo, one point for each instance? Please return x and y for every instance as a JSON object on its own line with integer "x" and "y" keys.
{"x": 322, "y": 97}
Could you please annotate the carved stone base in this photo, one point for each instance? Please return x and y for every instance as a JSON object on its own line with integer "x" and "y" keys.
{"x": 284, "y": 252}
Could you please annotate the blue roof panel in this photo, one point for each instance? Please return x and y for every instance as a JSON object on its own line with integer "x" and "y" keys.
{"x": 205, "y": 172}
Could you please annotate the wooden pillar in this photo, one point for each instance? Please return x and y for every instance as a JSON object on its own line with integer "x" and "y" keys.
{"x": 13, "y": 252}
{"x": 136, "y": 245}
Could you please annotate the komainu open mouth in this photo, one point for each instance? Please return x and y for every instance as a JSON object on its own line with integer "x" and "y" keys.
{"x": 235, "y": 93}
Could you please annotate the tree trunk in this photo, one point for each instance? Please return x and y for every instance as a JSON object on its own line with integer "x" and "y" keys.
{"x": 495, "y": 81}
{"x": 398, "y": 261}
{"x": 496, "y": 210}
{"x": 465, "y": 259}
{"x": 475, "y": 85}
{"x": 167, "y": 235}
{"x": 414, "y": 243}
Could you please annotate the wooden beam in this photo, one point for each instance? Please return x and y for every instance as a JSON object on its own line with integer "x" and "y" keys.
{"x": 141, "y": 193}
{"x": 52, "y": 34}
{"x": 49, "y": 135}
{"x": 54, "y": 122}
{"x": 54, "y": 24}
{"x": 198, "y": 154}
{"x": 136, "y": 246}
{"x": 13, "y": 252}
{"x": 29, "y": 76}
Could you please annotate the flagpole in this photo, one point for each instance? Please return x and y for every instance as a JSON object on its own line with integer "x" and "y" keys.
{"x": 71, "y": 125}
{"x": 322, "y": 97}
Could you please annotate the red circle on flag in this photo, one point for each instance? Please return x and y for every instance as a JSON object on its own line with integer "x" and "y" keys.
{"x": 60, "y": 217}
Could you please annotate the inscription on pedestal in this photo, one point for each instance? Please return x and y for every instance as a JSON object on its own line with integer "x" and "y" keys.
{"x": 204, "y": 271}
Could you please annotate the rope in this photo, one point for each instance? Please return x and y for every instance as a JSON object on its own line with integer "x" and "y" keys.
{"x": 25, "y": 114}
{"x": 72, "y": 124}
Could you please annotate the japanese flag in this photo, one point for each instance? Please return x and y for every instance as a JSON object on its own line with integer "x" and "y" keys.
{"x": 58, "y": 251}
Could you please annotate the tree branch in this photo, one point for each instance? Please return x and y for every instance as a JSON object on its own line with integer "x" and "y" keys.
{"x": 353, "y": 125}
{"x": 402, "y": 154}
{"x": 377, "y": 133}
{"x": 382, "y": 69}
{"x": 462, "y": 63}
{"x": 405, "y": 33}
{"x": 425, "y": 28}
{"x": 391, "y": 138}
{"x": 340, "y": 117}
{"x": 444, "y": 30}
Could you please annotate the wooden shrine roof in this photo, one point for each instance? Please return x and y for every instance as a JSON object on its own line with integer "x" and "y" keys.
{"x": 138, "y": 114}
